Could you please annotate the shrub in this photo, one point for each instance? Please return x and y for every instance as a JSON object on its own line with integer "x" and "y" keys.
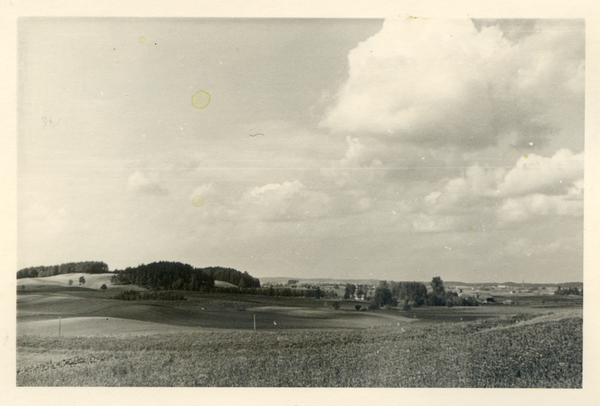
{"x": 373, "y": 307}
{"x": 70, "y": 282}
{"x": 103, "y": 287}
{"x": 357, "y": 307}
{"x": 336, "y": 305}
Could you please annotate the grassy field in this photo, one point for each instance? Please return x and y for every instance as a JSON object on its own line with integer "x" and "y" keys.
{"x": 209, "y": 340}
{"x": 491, "y": 353}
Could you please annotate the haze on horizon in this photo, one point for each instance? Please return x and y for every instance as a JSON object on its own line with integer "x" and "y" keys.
{"x": 330, "y": 148}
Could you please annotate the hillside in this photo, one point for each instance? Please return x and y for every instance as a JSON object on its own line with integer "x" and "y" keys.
{"x": 92, "y": 281}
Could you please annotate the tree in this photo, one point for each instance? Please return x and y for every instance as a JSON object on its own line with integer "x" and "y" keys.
{"x": 437, "y": 285}
{"x": 103, "y": 287}
{"x": 81, "y": 280}
{"x": 336, "y": 305}
{"x": 349, "y": 291}
{"x": 70, "y": 282}
{"x": 318, "y": 293}
{"x": 383, "y": 296}
{"x": 357, "y": 307}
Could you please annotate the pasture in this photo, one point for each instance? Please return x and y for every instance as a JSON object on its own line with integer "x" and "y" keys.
{"x": 209, "y": 340}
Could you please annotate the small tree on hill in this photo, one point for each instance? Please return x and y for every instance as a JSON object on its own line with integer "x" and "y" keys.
{"x": 336, "y": 305}
{"x": 103, "y": 287}
{"x": 81, "y": 280}
{"x": 70, "y": 282}
{"x": 357, "y": 307}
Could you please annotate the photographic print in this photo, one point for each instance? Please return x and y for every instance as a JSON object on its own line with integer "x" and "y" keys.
{"x": 300, "y": 202}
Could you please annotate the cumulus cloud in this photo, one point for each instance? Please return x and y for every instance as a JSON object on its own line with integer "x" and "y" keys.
{"x": 534, "y": 187}
{"x": 287, "y": 201}
{"x": 444, "y": 82}
{"x": 548, "y": 175}
{"x": 140, "y": 183}
{"x": 536, "y": 205}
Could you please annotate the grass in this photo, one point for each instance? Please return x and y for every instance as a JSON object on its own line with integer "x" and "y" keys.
{"x": 493, "y": 352}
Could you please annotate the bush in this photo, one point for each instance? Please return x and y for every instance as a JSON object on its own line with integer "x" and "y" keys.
{"x": 373, "y": 307}
{"x": 406, "y": 306}
{"x": 70, "y": 282}
{"x": 357, "y": 307}
{"x": 336, "y": 305}
{"x": 103, "y": 287}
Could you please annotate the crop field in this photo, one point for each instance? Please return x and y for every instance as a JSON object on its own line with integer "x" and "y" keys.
{"x": 209, "y": 340}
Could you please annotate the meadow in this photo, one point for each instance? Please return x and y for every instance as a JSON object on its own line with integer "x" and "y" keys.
{"x": 209, "y": 340}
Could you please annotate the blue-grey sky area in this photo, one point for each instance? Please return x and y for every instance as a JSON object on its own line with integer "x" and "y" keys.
{"x": 400, "y": 149}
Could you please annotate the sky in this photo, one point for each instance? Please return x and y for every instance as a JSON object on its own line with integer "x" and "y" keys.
{"x": 397, "y": 149}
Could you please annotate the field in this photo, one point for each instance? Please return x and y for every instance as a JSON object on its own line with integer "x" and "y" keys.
{"x": 209, "y": 340}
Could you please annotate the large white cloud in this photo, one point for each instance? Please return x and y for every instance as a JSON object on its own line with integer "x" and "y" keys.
{"x": 536, "y": 186}
{"x": 443, "y": 82}
{"x": 538, "y": 174}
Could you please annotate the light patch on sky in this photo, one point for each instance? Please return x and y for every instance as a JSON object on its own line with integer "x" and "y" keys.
{"x": 400, "y": 149}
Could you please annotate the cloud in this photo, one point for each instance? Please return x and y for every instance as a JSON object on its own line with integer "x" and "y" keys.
{"x": 537, "y": 205}
{"x": 286, "y": 201}
{"x": 140, "y": 183}
{"x": 548, "y": 175}
{"x": 535, "y": 187}
{"x": 444, "y": 82}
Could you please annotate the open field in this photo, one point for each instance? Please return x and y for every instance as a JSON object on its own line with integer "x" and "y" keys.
{"x": 209, "y": 340}
{"x": 473, "y": 354}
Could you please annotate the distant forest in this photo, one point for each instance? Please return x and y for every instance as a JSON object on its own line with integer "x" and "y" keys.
{"x": 177, "y": 276}
{"x": 71, "y": 267}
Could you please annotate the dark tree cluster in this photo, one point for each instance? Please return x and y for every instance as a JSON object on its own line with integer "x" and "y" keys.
{"x": 409, "y": 292}
{"x": 383, "y": 296}
{"x": 71, "y": 267}
{"x": 439, "y": 296}
{"x": 316, "y": 292}
{"x": 568, "y": 291}
{"x": 352, "y": 290}
{"x": 165, "y": 276}
{"x": 415, "y": 294}
{"x": 233, "y": 276}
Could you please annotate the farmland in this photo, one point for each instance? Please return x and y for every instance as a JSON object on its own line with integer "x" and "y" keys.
{"x": 209, "y": 340}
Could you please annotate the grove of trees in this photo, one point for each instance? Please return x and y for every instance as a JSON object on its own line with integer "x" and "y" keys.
{"x": 568, "y": 291}
{"x": 166, "y": 276}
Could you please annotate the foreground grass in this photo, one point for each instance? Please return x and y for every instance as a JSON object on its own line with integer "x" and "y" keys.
{"x": 474, "y": 354}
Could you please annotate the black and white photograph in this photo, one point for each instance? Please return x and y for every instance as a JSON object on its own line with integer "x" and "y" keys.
{"x": 300, "y": 202}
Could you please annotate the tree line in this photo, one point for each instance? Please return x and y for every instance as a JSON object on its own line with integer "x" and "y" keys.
{"x": 165, "y": 275}
{"x": 70, "y": 267}
{"x": 414, "y": 294}
{"x": 568, "y": 291}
